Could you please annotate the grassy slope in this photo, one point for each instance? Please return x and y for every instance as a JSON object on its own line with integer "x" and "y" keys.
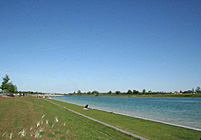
{"x": 18, "y": 114}
{"x": 144, "y": 128}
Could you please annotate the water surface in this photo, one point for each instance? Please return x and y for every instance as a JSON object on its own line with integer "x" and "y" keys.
{"x": 179, "y": 111}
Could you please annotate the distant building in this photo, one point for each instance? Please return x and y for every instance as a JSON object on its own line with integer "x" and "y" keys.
{"x": 177, "y": 92}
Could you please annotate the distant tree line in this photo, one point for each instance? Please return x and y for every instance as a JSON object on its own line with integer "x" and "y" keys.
{"x": 197, "y": 90}
{"x": 133, "y": 92}
{"x": 11, "y": 88}
{"x": 129, "y": 92}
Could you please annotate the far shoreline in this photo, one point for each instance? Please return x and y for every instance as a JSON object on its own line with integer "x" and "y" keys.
{"x": 123, "y": 95}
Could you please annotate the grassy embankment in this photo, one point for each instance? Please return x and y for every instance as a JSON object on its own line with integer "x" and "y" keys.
{"x": 148, "y": 129}
{"x": 29, "y": 118}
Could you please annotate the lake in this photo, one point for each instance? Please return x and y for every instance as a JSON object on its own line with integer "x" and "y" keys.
{"x": 177, "y": 111}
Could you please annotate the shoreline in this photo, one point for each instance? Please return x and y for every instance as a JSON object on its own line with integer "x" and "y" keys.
{"x": 103, "y": 123}
{"x": 188, "y": 127}
{"x": 153, "y": 95}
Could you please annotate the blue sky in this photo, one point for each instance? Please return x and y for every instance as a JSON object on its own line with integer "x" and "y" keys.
{"x": 60, "y": 46}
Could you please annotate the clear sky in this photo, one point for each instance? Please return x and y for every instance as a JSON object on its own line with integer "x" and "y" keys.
{"x": 60, "y": 46}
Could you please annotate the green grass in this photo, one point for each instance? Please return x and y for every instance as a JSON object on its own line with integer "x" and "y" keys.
{"x": 51, "y": 135}
{"x": 16, "y": 123}
{"x": 57, "y": 132}
{"x": 62, "y": 138}
{"x": 19, "y": 118}
{"x": 144, "y": 128}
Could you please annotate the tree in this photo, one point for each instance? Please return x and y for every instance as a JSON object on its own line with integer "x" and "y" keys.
{"x": 12, "y": 88}
{"x": 88, "y": 92}
{"x": 117, "y": 92}
{"x": 5, "y": 82}
{"x": 144, "y": 91}
{"x": 79, "y": 92}
{"x": 95, "y": 92}
{"x": 110, "y": 92}
{"x": 193, "y": 90}
{"x": 198, "y": 90}
{"x": 129, "y": 92}
{"x": 135, "y": 92}
{"x": 6, "y": 85}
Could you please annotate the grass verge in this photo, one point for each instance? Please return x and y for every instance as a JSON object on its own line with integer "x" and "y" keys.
{"x": 32, "y": 118}
{"x": 148, "y": 129}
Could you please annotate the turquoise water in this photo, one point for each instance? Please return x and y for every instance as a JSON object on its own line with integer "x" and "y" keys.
{"x": 178, "y": 111}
